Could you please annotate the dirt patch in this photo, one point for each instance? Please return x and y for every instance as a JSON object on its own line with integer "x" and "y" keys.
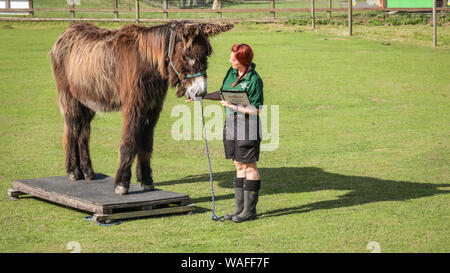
{"x": 402, "y": 106}
{"x": 379, "y": 100}
{"x": 324, "y": 107}
{"x": 7, "y": 27}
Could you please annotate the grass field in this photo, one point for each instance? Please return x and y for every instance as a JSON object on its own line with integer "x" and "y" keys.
{"x": 363, "y": 155}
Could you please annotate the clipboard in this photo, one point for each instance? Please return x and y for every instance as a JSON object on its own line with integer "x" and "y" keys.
{"x": 235, "y": 97}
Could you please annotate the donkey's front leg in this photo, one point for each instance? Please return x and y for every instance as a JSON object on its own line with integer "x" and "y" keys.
{"x": 145, "y": 149}
{"x": 144, "y": 171}
{"x": 123, "y": 175}
{"x": 128, "y": 149}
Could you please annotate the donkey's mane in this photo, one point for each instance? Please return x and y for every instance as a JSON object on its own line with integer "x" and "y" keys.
{"x": 151, "y": 44}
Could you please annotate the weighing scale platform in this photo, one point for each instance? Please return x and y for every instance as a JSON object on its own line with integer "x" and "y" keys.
{"x": 97, "y": 196}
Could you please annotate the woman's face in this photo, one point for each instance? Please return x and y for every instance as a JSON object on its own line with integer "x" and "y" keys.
{"x": 235, "y": 63}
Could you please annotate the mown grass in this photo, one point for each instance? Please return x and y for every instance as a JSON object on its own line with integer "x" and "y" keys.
{"x": 363, "y": 153}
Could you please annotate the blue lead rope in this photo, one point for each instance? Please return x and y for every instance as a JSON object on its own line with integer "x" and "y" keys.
{"x": 105, "y": 223}
{"x": 214, "y": 217}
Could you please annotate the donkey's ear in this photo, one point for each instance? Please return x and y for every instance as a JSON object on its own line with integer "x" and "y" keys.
{"x": 214, "y": 29}
{"x": 189, "y": 31}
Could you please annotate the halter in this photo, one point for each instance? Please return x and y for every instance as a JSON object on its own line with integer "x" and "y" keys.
{"x": 169, "y": 54}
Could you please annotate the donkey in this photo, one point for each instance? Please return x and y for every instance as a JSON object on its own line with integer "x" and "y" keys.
{"x": 126, "y": 70}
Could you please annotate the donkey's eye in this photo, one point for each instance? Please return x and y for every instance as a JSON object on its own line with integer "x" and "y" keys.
{"x": 190, "y": 61}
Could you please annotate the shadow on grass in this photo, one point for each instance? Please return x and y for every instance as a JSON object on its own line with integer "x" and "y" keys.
{"x": 363, "y": 190}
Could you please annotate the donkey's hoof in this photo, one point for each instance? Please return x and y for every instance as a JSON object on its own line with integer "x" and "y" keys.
{"x": 75, "y": 175}
{"x": 147, "y": 187}
{"x": 120, "y": 190}
{"x": 147, "y": 184}
{"x": 89, "y": 175}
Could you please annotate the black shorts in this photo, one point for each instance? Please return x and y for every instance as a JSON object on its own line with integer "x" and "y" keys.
{"x": 242, "y": 137}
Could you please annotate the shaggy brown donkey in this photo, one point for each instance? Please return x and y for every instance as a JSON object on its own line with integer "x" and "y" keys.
{"x": 126, "y": 70}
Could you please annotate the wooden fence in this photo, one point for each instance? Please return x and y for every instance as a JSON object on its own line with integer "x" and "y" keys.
{"x": 165, "y": 10}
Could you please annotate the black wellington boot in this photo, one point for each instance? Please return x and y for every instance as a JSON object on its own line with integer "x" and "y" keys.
{"x": 251, "y": 193}
{"x": 238, "y": 197}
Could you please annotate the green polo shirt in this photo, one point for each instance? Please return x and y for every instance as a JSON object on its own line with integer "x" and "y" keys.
{"x": 250, "y": 83}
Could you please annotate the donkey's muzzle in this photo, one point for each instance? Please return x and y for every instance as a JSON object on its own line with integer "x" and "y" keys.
{"x": 198, "y": 88}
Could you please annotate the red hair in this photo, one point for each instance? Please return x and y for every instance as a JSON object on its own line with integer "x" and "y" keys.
{"x": 244, "y": 54}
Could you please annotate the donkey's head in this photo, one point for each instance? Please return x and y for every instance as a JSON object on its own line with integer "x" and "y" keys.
{"x": 189, "y": 49}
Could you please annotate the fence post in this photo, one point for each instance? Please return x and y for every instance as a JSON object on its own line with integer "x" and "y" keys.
{"x": 272, "y": 6}
{"x": 7, "y": 4}
{"x": 445, "y": 5}
{"x": 313, "y": 15}
{"x": 219, "y": 14}
{"x": 72, "y": 6}
{"x": 434, "y": 24}
{"x": 350, "y": 18}
{"x": 330, "y": 5}
{"x": 30, "y": 6}
{"x": 165, "y": 6}
{"x": 385, "y": 13}
{"x": 116, "y": 6}
{"x": 137, "y": 11}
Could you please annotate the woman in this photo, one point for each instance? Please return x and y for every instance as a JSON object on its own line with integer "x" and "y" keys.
{"x": 242, "y": 134}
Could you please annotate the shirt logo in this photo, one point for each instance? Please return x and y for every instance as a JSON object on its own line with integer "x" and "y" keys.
{"x": 244, "y": 85}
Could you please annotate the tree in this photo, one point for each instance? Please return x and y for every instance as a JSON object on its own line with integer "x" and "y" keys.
{"x": 217, "y": 4}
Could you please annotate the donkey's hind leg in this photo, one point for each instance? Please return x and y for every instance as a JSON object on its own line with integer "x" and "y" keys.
{"x": 71, "y": 152}
{"x": 77, "y": 120}
{"x": 83, "y": 142}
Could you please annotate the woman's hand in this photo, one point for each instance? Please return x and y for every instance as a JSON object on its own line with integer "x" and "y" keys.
{"x": 188, "y": 100}
{"x": 227, "y": 104}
